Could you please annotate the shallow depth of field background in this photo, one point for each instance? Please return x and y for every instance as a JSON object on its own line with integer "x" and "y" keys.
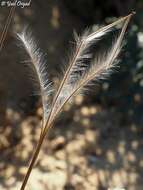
{"x": 97, "y": 142}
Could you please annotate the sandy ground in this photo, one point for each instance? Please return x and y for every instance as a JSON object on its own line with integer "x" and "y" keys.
{"x": 87, "y": 149}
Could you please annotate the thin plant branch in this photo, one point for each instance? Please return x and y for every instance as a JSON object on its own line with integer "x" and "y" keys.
{"x": 6, "y": 26}
{"x": 73, "y": 82}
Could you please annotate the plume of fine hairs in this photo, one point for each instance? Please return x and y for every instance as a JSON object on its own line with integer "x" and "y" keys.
{"x": 101, "y": 67}
{"x": 40, "y": 67}
{"x": 78, "y": 74}
{"x": 72, "y": 82}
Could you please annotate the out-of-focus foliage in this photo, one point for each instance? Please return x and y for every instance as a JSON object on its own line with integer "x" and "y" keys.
{"x": 92, "y": 11}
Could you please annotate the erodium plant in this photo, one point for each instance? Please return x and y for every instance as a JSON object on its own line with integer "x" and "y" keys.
{"x": 83, "y": 70}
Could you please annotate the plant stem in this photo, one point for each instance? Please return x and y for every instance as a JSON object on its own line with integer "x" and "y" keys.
{"x": 53, "y": 112}
{"x": 6, "y": 27}
{"x": 34, "y": 158}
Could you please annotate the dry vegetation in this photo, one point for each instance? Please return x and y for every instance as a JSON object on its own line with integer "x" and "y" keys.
{"x": 90, "y": 146}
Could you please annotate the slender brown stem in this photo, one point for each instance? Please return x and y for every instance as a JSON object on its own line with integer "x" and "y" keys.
{"x": 35, "y": 155}
{"x": 31, "y": 165}
{"x": 5, "y": 29}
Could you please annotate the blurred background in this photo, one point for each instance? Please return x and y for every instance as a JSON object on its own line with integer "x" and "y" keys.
{"x": 97, "y": 141}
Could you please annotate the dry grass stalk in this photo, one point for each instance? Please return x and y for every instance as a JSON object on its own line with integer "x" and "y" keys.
{"x": 6, "y": 26}
{"x": 78, "y": 75}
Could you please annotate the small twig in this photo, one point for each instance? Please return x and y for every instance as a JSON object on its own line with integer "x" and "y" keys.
{"x": 6, "y": 26}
